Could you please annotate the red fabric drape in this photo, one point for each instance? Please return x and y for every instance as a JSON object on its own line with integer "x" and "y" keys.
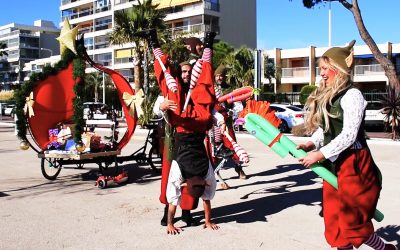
{"x": 53, "y": 103}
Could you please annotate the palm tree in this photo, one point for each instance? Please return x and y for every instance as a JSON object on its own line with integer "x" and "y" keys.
{"x": 240, "y": 65}
{"x": 92, "y": 84}
{"x": 391, "y": 110}
{"x": 220, "y": 52}
{"x": 3, "y": 46}
{"x": 143, "y": 16}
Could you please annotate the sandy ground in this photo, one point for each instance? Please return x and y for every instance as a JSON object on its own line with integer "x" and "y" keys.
{"x": 278, "y": 207}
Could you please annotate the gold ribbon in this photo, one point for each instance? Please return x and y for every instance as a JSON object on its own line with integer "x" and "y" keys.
{"x": 28, "y": 108}
{"x": 134, "y": 102}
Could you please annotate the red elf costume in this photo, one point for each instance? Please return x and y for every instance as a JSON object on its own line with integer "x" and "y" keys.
{"x": 193, "y": 123}
{"x": 340, "y": 144}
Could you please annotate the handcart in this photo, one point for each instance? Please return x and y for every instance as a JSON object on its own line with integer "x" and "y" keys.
{"x": 50, "y": 98}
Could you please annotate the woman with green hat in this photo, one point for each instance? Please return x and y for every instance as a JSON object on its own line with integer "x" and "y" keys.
{"x": 336, "y": 121}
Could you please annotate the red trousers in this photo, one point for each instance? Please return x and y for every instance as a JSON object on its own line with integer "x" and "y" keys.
{"x": 348, "y": 211}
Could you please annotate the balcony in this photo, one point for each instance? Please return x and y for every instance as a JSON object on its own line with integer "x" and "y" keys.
{"x": 196, "y": 28}
{"x": 295, "y": 72}
{"x": 64, "y": 2}
{"x": 84, "y": 30}
{"x": 117, "y": 2}
{"x": 364, "y": 70}
{"x": 102, "y": 9}
{"x": 123, "y": 60}
{"x": 78, "y": 14}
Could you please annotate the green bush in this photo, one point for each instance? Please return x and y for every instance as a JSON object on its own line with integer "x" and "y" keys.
{"x": 305, "y": 93}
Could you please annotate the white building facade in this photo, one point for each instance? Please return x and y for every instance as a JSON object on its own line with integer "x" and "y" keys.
{"x": 24, "y": 44}
{"x": 299, "y": 67}
{"x": 234, "y": 23}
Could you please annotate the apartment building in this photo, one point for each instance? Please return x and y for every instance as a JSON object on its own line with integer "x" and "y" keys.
{"x": 234, "y": 23}
{"x": 25, "y": 43}
{"x": 299, "y": 67}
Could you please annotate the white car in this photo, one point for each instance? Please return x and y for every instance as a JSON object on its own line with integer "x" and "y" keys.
{"x": 374, "y": 115}
{"x": 290, "y": 115}
{"x": 9, "y": 110}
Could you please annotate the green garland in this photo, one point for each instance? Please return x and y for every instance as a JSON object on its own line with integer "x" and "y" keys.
{"x": 28, "y": 86}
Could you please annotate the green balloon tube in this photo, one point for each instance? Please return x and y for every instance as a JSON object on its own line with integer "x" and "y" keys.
{"x": 254, "y": 125}
{"x": 263, "y": 128}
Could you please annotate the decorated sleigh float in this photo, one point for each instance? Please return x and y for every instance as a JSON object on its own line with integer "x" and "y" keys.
{"x": 53, "y": 97}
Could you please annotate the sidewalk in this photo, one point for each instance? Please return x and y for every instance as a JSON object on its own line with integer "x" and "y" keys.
{"x": 278, "y": 207}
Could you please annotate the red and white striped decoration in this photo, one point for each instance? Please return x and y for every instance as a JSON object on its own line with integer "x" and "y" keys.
{"x": 157, "y": 52}
{"x": 218, "y": 91}
{"x": 217, "y": 134}
{"x": 207, "y": 55}
{"x": 196, "y": 71}
{"x": 171, "y": 83}
{"x": 240, "y": 152}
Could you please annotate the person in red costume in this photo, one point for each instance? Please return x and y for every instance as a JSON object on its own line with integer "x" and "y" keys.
{"x": 221, "y": 88}
{"x": 336, "y": 120}
{"x": 190, "y": 127}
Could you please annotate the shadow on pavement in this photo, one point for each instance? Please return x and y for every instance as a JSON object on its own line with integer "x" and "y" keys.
{"x": 390, "y": 233}
{"x": 280, "y": 197}
{"x": 137, "y": 174}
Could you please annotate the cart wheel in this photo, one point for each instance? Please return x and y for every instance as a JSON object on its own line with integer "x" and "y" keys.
{"x": 155, "y": 159}
{"x": 51, "y": 168}
{"x": 102, "y": 184}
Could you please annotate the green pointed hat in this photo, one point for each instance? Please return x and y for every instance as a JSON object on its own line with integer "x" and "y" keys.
{"x": 221, "y": 70}
{"x": 343, "y": 56}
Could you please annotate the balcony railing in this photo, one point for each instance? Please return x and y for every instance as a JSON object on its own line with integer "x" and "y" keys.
{"x": 78, "y": 14}
{"x": 18, "y": 32}
{"x": 373, "y": 69}
{"x": 104, "y": 26}
{"x": 64, "y": 2}
{"x": 102, "y": 45}
{"x": 196, "y": 28}
{"x": 85, "y": 30}
{"x": 123, "y": 60}
{"x": 295, "y": 72}
{"x": 104, "y": 8}
{"x": 122, "y": 1}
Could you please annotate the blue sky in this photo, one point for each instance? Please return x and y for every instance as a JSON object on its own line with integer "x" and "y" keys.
{"x": 280, "y": 23}
{"x": 287, "y": 24}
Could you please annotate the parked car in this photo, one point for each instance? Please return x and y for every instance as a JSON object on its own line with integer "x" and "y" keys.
{"x": 9, "y": 110}
{"x": 374, "y": 115}
{"x": 95, "y": 111}
{"x": 2, "y": 107}
{"x": 290, "y": 115}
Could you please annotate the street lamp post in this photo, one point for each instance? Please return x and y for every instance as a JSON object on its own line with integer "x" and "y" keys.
{"x": 330, "y": 25}
{"x": 49, "y": 50}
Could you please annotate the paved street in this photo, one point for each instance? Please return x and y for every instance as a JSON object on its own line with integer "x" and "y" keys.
{"x": 278, "y": 207}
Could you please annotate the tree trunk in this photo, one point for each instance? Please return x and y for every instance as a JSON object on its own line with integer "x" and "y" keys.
{"x": 386, "y": 64}
{"x": 137, "y": 69}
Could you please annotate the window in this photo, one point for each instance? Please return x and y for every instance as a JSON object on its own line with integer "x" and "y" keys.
{"x": 88, "y": 43}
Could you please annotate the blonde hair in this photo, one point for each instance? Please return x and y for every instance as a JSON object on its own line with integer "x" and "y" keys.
{"x": 318, "y": 102}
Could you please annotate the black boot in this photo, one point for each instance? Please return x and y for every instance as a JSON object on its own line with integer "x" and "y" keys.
{"x": 209, "y": 39}
{"x": 151, "y": 37}
{"x": 165, "y": 217}
{"x": 188, "y": 219}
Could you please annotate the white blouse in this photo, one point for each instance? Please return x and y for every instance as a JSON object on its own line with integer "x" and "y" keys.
{"x": 175, "y": 180}
{"x": 353, "y": 105}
